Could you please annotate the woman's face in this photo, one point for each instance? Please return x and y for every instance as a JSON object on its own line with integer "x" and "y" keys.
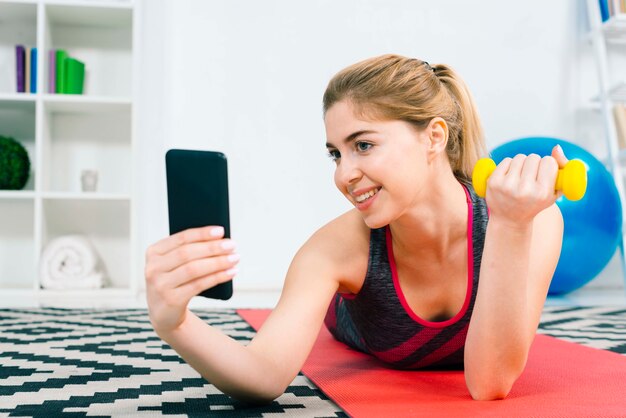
{"x": 381, "y": 166}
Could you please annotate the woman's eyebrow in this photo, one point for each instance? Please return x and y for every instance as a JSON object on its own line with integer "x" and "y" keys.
{"x": 351, "y": 137}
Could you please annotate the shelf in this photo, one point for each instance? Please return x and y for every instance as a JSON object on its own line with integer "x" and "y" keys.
{"x": 18, "y": 26}
{"x": 22, "y": 11}
{"x": 101, "y": 37}
{"x": 105, "y": 217}
{"x": 17, "y": 103}
{"x": 90, "y": 14}
{"x": 17, "y": 121}
{"x": 66, "y": 135}
{"x": 12, "y": 3}
{"x": 615, "y": 29}
{"x": 23, "y": 14}
{"x": 103, "y": 298}
{"x": 29, "y": 194}
{"x": 617, "y": 94}
{"x": 80, "y": 135}
{"x": 16, "y": 194}
{"x": 17, "y": 244}
{"x": 17, "y": 298}
{"x": 616, "y": 23}
{"x": 84, "y": 196}
{"x": 70, "y": 103}
{"x": 603, "y": 34}
{"x": 75, "y": 103}
{"x": 18, "y": 97}
{"x": 106, "y": 223}
{"x": 102, "y": 293}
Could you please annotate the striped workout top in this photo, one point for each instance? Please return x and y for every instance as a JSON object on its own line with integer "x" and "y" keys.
{"x": 379, "y": 321}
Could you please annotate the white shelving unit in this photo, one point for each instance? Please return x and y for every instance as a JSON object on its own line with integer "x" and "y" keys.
{"x": 65, "y": 134}
{"x": 604, "y": 34}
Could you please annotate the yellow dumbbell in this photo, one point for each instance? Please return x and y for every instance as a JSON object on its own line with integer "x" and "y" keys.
{"x": 571, "y": 179}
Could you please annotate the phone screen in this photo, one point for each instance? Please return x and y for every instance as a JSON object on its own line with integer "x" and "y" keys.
{"x": 197, "y": 196}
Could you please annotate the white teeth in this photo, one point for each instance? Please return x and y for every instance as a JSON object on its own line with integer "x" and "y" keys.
{"x": 365, "y": 196}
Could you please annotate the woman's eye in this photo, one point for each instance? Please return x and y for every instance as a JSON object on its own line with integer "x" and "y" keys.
{"x": 333, "y": 154}
{"x": 363, "y": 146}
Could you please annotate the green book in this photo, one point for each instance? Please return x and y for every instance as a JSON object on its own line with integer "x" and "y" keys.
{"x": 74, "y": 76}
{"x": 60, "y": 63}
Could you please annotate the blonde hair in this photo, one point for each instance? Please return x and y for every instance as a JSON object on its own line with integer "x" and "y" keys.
{"x": 393, "y": 87}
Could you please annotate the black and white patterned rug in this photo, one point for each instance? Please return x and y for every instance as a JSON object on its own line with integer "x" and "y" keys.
{"x": 597, "y": 327}
{"x": 110, "y": 363}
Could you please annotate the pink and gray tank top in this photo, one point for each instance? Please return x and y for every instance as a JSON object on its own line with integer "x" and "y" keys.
{"x": 379, "y": 321}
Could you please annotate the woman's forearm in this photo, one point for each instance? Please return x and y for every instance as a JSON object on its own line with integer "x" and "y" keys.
{"x": 225, "y": 362}
{"x": 498, "y": 339}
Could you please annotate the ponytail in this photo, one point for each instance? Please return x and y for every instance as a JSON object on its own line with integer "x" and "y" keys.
{"x": 468, "y": 145}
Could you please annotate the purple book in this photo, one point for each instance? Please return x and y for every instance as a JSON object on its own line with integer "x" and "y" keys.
{"x": 20, "y": 58}
{"x": 52, "y": 71}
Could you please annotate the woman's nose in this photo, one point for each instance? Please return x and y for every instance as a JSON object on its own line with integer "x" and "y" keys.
{"x": 348, "y": 171}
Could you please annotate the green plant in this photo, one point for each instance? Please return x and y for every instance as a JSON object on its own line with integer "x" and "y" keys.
{"x": 14, "y": 164}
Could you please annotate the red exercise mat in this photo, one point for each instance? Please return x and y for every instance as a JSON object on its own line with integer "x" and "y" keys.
{"x": 561, "y": 379}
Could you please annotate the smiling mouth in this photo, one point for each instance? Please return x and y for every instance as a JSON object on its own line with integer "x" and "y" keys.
{"x": 365, "y": 196}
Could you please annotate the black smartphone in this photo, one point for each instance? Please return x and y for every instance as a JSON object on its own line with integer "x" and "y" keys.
{"x": 197, "y": 195}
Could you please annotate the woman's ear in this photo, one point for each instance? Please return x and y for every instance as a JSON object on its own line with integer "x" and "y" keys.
{"x": 438, "y": 135}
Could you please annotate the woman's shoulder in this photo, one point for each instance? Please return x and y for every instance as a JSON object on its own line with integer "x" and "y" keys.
{"x": 343, "y": 245}
{"x": 345, "y": 235}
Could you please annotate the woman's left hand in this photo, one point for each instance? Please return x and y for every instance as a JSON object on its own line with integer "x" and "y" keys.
{"x": 521, "y": 187}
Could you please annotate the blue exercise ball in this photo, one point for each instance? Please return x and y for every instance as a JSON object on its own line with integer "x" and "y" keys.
{"x": 592, "y": 225}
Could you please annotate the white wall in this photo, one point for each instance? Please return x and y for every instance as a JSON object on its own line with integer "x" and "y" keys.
{"x": 247, "y": 78}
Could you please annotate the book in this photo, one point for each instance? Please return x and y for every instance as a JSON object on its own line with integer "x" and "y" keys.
{"x": 61, "y": 56}
{"x": 74, "y": 76}
{"x": 52, "y": 71}
{"x": 20, "y": 58}
{"x": 619, "y": 112}
{"x": 33, "y": 70}
{"x": 604, "y": 10}
{"x": 27, "y": 69}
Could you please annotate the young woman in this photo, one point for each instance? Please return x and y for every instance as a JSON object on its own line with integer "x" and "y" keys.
{"x": 421, "y": 273}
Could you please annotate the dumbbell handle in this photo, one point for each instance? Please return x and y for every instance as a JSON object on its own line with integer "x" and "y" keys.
{"x": 571, "y": 179}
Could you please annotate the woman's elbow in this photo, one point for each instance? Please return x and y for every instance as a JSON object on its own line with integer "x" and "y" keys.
{"x": 489, "y": 392}
{"x": 258, "y": 392}
{"x": 264, "y": 396}
{"x": 256, "y": 400}
{"x": 491, "y": 388}
{"x": 490, "y": 382}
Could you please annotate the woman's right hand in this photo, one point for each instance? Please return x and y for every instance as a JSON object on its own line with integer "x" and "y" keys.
{"x": 182, "y": 265}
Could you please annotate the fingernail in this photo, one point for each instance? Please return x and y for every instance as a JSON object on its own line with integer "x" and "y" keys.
{"x": 218, "y": 231}
{"x": 234, "y": 257}
{"x": 233, "y": 271}
{"x": 228, "y": 245}
{"x": 560, "y": 150}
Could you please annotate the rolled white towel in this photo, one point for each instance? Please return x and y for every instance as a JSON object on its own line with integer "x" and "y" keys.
{"x": 71, "y": 262}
